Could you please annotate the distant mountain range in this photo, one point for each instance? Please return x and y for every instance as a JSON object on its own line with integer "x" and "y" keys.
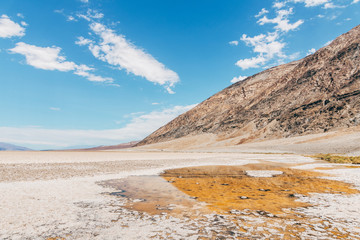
{"x": 111, "y": 147}
{"x": 11, "y": 147}
{"x": 316, "y": 94}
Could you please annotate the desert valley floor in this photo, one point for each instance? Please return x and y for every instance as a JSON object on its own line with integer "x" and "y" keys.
{"x": 147, "y": 194}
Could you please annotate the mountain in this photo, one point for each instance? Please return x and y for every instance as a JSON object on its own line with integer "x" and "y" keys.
{"x": 111, "y": 147}
{"x": 316, "y": 94}
{"x": 11, "y": 147}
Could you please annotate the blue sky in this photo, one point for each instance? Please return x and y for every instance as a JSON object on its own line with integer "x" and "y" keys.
{"x": 87, "y": 73}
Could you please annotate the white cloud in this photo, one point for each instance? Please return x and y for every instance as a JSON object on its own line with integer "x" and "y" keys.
{"x": 20, "y": 15}
{"x": 61, "y": 11}
{"x": 262, "y": 12}
{"x": 311, "y": 51}
{"x": 281, "y": 20}
{"x": 169, "y": 90}
{"x": 155, "y": 103}
{"x": 9, "y": 28}
{"x": 91, "y": 14}
{"x": 308, "y": 3}
{"x": 237, "y": 79}
{"x": 49, "y": 58}
{"x": 54, "y": 108}
{"x": 138, "y": 128}
{"x": 71, "y": 18}
{"x": 331, "y": 5}
{"x": 83, "y": 70}
{"x": 311, "y": 3}
{"x": 23, "y": 23}
{"x": 327, "y": 43}
{"x": 279, "y": 4}
{"x": 253, "y": 62}
{"x": 234, "y": 43}
{"x": 116, "y": 50}
{"x": 267, "y": 46}
{"x": 84, "y": 1}
{"x": 83, "y": 41}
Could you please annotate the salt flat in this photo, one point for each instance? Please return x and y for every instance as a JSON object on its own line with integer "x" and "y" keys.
{"x": 56, "y": 194}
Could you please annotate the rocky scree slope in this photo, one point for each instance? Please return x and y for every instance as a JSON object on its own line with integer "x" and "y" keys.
{"x": 318, "y": 93}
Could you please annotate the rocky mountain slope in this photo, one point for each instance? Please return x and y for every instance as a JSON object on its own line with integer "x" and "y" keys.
{"x": 318, "y": 93}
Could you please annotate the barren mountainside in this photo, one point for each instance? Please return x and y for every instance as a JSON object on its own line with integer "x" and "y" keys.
{"x": 318, "y": 93}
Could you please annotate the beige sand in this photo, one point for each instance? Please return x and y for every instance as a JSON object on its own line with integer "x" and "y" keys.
{"x": 343, "y": 141}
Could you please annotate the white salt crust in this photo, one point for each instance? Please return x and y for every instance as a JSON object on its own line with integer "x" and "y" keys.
{"x": 263, "y": 173}
{"x": 75, "y": 208}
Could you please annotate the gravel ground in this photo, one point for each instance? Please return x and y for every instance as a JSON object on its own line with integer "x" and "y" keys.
{"x": 55, "y": 194}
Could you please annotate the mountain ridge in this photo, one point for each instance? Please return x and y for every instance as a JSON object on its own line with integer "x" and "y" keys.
{"x": 11, "y": 147}
{"x": 316, "y": 94}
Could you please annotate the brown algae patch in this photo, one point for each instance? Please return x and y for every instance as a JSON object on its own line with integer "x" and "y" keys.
{"x": 338, "y": 159}
{"x": 226, "y": 188}
{"x": 154, "y": 195}
{"x": 205, "y": 189}
{"x": 214, "y": 199}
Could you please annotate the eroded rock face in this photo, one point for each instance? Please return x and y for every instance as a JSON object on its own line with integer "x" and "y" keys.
{"x": 318, "y": 93}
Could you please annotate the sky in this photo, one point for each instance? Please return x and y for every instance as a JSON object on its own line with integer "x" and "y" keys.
{"x": 82, "y": 73}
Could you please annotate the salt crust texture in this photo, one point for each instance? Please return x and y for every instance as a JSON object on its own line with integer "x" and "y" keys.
{"x": 263, "y": 173}
{"x": 75, "y": 208}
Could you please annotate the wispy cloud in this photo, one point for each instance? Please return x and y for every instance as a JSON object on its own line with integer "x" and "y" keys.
{"x": 83, "y": 41}
{"x": 332, "y": 5}
{"x": 118, "y": 51}
{"x": 49, "y": 58}
{"x": 268, "y": 47}
{"x": 279, "y": 4}
{"x": 237, "y": 79}
{"x": 262, "y": 12}
{"x": 138, "y": 128}
{"x": 253, "y": 62}
{"x": 326, "y": 4}
{"x": 71, "y": 18}
{"x": 91, "y": 15}
{"x": 311, "y": 3}
{"x": 54, "y": 108}
{"x": 281, "y": 20}
{"x": 327, "y": 43}
{"x": 234, "y": 43}
{"x": 311, "y": 51}
{"x": 9, "y": 28}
